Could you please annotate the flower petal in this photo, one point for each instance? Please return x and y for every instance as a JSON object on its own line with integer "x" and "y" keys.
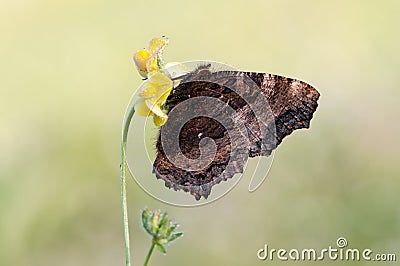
{"x": 163, "y": 97}
{"x": 156, "y": 47}
{"x": 152, "y": 65}
{"x": 140, "y": 58}
{"x": 157, "y": 44}
{"x": 159, "y": 121}
{"x": 155, "y": 108}
{"x": 150, "y": 90}
{"x": 163, "y": 82}
{"x": 141, "y": 108}
{"x": 157, "y": 86}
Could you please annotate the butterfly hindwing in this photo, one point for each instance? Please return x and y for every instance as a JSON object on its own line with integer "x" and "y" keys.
{"x": 289, "y": 105}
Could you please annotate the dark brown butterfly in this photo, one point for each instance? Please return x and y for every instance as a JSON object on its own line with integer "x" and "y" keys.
{"x": 250, "y": 116}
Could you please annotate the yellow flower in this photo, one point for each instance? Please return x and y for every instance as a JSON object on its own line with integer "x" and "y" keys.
{"x": 149, "y": 61}
{"x": 153, "y": 96}
{"x": 140, "y": 59}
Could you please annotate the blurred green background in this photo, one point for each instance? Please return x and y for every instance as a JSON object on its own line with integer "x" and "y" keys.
{"x": 67, "y": 77}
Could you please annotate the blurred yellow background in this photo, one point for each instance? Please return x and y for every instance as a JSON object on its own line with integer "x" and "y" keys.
{"x": 67, "y": 77}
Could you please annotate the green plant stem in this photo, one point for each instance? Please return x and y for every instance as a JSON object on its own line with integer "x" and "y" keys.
{"x": 153, "y": 243}
{"x": 123, "y": 186}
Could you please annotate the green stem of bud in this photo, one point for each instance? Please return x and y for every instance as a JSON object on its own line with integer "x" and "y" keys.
{"x": 153, "y": 243}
